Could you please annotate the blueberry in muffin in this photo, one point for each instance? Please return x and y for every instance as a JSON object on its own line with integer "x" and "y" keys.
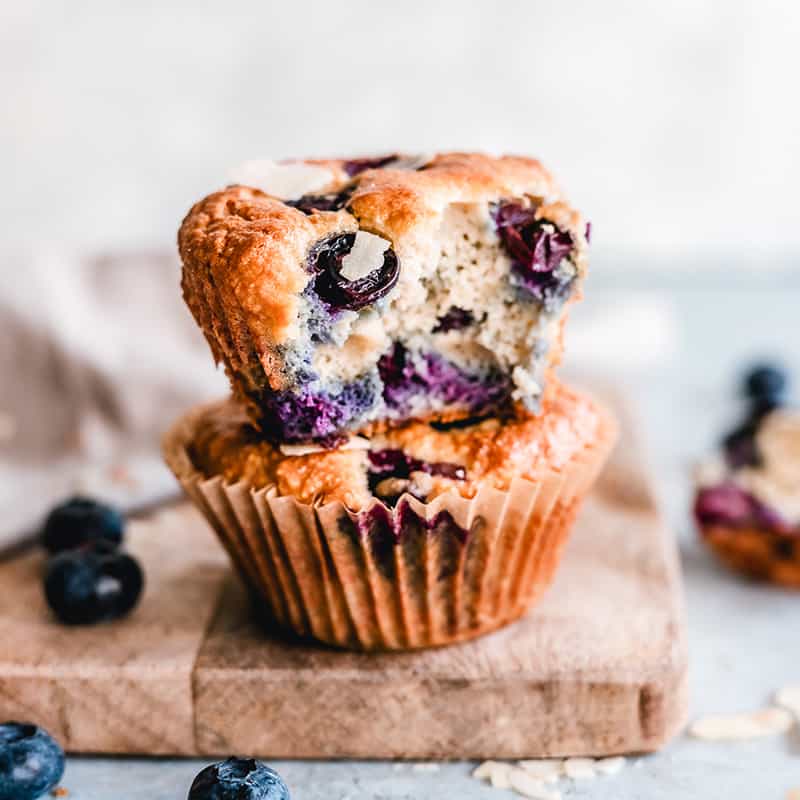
{"x": 347, "y": 295}
{"x": 417, "y": 535}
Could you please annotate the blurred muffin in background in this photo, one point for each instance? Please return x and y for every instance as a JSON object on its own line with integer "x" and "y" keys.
{"x": 747, "y": 503}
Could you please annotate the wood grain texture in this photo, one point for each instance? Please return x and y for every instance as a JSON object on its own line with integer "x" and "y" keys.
{"x": 124, "y": 687}
{"x": 598, "y": 667}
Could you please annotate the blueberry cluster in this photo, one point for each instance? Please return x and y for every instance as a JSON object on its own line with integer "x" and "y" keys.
{"x": 764, "y": 388}
{"x": 88, "y": 579}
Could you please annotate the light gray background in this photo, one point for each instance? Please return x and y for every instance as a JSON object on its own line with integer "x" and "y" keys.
{"x": 674, "y": 125}
{"x": 743, "y": 638}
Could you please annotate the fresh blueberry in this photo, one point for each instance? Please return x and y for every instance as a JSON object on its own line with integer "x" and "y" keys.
{"x": 79, "y": 521}
{"x": 93, "y": 584}
{"x": 31, "y": 761}
{"x": 325, "y": 261}
{"x": 238, "y": 779}
{"x": 405, "y": 377}
{"x": 395, "y": 463}
{"x": 537, "y": 247}
{"x": 765, "y": 382}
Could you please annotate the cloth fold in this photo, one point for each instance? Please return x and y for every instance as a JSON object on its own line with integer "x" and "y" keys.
{"x": 97, "y": 357}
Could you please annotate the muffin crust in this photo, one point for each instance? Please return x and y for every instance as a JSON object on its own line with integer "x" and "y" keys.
{"x": 491, "y": 451}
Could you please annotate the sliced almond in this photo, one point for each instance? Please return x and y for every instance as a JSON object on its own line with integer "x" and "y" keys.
{"x": 483, "y": 771}
{"x": 737, "y": 727}
{"x": 364, "y": 257}
{"x": 425, "y": 766}
{"x": 789, "y": 698}
{"x": 287, "y": 181}
{"x": 609, "y": 766}
{"x": 525, "y": 784}
{"x": 579, "y": 768}
{"x": 548, "y": 770}
{"x": 353, "y": 443}
{"x": 500, "y": 775}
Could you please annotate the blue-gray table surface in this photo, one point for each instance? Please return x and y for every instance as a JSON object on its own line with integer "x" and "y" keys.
{"x": 743, "y": 639}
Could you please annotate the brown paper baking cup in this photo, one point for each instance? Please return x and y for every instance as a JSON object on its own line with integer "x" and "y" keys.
{"x": 418, "y": 575}
{"x": 757, "y": 553}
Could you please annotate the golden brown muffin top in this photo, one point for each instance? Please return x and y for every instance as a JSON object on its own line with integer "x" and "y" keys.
{"x": 492, "y": 451}
{"x": 247, "y": 249}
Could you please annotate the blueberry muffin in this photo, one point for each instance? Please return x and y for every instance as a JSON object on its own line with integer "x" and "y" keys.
{"x": 747, "y": 504}
{"x": 414, "y": 536}
{"x": 346, "y": 295}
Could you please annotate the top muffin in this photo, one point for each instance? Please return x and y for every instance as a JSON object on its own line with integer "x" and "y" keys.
{"x": 352, "y": 295}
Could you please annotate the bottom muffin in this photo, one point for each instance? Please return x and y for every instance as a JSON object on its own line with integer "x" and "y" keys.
{"x": 420, "y": 536}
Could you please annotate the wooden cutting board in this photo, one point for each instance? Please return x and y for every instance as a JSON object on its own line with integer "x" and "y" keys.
{"x": 599, "y": 667}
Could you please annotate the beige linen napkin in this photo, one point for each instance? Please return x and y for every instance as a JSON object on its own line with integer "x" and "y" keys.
{"x": 97, "y": 357}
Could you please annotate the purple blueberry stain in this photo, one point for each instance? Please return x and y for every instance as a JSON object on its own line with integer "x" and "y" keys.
{"x": 536, "y": 247}
{"x": 325, "y": 263}
{"x": 356, "y": 166}
{"x": 384, "y": 529}
{"x": 395, "y": 463}
{"x": 405, "y": 377}
{"x": 730, "y": 506}
{"x": 307, "y": 414}
{"x": 396, "y": 467}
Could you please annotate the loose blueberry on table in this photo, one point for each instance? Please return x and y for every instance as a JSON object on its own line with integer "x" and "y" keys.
{"x": 92, "y": 584}
{"x": 238, "y": 779}
{"x": 79, "y": 521}
{"x": 31, "y": 761}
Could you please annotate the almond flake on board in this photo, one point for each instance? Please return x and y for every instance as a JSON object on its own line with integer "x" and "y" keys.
{"x": 425, "y": 766}
{"x": 739, "y": 727}
{"x": 610, "y": 766}
{"x": 525, "y": 784}
{"x": 548, "y": 770}
{"x": 579, "y": 768}
{"x": 789, "y": 698}
{"x": 496, "y": 772}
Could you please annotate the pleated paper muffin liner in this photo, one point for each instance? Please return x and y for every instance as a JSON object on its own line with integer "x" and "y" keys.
{"x": 416, "y": 575}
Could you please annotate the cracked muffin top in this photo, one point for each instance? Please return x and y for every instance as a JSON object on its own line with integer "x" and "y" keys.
{"x": 419, "y": 459}
{"x": 347, "y": 295}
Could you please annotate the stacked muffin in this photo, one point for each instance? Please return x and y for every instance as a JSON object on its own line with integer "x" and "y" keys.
{"x": 398, "y": 467}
